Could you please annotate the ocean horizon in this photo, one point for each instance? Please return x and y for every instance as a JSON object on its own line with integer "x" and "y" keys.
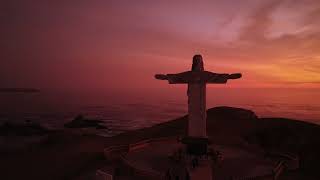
{"x": 133, "y": 109}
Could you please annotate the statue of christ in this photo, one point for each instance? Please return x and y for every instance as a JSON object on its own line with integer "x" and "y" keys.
{"x": 197, "y": 79}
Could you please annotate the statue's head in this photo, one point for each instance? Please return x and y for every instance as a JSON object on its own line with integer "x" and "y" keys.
{"x": 197, "y": 63}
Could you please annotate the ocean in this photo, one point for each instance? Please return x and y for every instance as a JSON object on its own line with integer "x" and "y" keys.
{"x": 124, "y": 110}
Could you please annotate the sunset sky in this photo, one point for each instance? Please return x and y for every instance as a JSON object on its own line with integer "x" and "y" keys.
{"x": 123, "y": 43}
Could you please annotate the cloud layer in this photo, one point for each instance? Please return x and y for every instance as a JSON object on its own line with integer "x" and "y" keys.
{"x": 123, "y": 43}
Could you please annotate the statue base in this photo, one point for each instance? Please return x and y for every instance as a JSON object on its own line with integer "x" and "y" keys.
{"x": 196, "y": 145}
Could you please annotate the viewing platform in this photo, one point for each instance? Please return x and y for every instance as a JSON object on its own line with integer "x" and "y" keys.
{"x": 156, "y": 158}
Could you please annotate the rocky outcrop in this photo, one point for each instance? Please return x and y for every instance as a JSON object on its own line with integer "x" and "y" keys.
{"x": 229, "y": 121}
{"x": 82, "y": 122}
{"x": 231, "y": 113}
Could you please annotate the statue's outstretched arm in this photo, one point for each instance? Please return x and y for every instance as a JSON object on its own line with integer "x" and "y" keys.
{"x": 215, "y": 78}
{"x": 161, "y": 76}
{"x": 180, "y": 78}
{"x": 211, "y": 77}
{"x": 235, "y": 76}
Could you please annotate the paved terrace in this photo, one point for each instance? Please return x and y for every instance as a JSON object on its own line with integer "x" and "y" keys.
{"x": 236, "y": 162}
{"x": 239, "y": 162}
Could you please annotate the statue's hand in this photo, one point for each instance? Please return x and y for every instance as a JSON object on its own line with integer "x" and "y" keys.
{"x": 161, "y": 76}
{"x": 235, "y": 76}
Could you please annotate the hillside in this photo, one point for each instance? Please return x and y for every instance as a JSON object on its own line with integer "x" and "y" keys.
{"x": 67, "y": 155}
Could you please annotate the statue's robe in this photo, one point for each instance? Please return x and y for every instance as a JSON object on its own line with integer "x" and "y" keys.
{"x": 197, "y": 81}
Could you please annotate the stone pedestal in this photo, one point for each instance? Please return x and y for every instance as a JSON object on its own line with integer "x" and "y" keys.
{"x": 195, "y": 145}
